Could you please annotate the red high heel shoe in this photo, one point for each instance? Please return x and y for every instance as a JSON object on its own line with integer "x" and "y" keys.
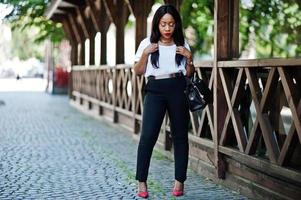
{"x": 143, "y": 194}
{"x": 177, "y": 193}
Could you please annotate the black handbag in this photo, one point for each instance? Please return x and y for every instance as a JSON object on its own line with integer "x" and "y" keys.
{"x": 197, "y": 92}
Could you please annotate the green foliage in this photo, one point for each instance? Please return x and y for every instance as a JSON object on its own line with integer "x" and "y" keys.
{"x": 198, "y": 15}
{"x": 23, "y": 45}
{"x": 28, "y": 14}
{"x": 273, "y": 27}
{"x": 276, "y": 24}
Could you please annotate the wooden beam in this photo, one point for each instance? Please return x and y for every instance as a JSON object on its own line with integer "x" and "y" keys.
{"x": 234, "y": 28}
{"x": 106, "y": 21}
{"x": 58, "y": 17}
{"x": 224, "y": 27}
{"x": 51, "y": 8}
{"x": 81, "y": 43}
{"x": 94, "y": 14}
{"x": 271, "y": 62}
{"x": 290, "y": 142}
{"x": 267, "y": 96}
{"x": 92, "y": 51}
{"x": 81, "y": 56}
{"x": 101, "y": 24}
{"x": 270, "y": 139}
{"x": 74, "y": 28}
{"x": 263, "y": 166}
{"x": 219, "y": 106}
{"x": 292, "y": 100}
{"x": 86, "y": 19}
{"x": 86, "y": 16}
{"x": 278, "y": 188}
{"x": 141, "y": 10}
{"x": 81, "y": 20}
{"x": 74, "y": 11}
{"x": 118, "y": 11}
{"x": 233, "y": 112}
{"x": 75, "y": 2}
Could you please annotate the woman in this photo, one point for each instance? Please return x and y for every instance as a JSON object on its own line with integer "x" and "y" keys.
{"x": 165, "y": 59}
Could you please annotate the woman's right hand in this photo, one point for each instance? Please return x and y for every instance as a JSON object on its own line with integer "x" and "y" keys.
{"x": 140, "y": 66}
{"x": 151, "y": 48}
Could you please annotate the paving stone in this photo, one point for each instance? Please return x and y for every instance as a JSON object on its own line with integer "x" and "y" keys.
{"x": 48, "y": 150}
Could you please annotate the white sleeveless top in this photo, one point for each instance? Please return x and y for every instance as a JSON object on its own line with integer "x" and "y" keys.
{"x": 167, "y": 61}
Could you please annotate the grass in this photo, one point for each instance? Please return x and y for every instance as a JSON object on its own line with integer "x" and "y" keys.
{"x": 158, "y": 155}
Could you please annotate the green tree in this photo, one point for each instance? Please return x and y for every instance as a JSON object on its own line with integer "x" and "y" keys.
{"x": 23, "y": 45}
{"x": 198, "y": 18}
{"x": 30, "y": 13}
{"x": 275, "y": 26}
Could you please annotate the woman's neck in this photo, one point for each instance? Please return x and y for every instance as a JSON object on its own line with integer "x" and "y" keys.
{"x": 165, "y": 41}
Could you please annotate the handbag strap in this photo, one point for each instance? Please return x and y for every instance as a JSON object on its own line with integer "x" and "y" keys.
{"x": 193, "y": 78}
{"x": 189, "y": 80}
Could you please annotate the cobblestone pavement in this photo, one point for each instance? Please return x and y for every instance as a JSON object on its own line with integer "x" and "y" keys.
{"x": 48, "y": 150}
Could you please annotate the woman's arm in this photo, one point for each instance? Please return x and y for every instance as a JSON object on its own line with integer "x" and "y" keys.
{"x": 189, "y": 66}
{"x": 139, "y": 67}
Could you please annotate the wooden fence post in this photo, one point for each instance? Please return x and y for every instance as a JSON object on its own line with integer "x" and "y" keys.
{"x": 225, "y": 48}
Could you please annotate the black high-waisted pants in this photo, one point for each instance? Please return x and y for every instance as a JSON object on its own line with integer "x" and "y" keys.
{"x": 164, "y": 95}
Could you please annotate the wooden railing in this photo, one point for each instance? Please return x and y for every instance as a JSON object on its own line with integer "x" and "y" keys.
{"x": 261, "y": 128}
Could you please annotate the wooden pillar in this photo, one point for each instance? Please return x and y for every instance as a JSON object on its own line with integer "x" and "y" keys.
{"x": 141, "y": 10}
{"x": 78, "y": 24}
{"x": 92, "y": 50}
{"x": 118, "y": 12}
{"x": 103, "y": 47}
{"x": 81, "y": 22}
{"x": 176, "y": 3}
{"x": 85, "y": 17}
{"x": 78, "y": 28}
{"x": 73, "y": 56}
{"x": 101, "y": 23}
{"x": 103, "y": 33}
{"x": 82, "y": 53}
{"x": 225, "y": 48}
{"x": 120, "y": 25}
{"x": 73, "y": 38}
{"x": 74, "y": 53}
{"x": 80, "y": 38}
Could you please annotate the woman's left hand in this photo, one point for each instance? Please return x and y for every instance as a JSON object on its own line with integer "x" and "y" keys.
{"x": 188, "y": 55}
{"x": 184, "y": 52}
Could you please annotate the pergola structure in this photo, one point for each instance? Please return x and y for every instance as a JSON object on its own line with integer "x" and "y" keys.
{"x": 243, "y": 140}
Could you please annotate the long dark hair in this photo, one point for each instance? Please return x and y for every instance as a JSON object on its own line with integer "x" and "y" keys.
{"x": 177, "y": 35}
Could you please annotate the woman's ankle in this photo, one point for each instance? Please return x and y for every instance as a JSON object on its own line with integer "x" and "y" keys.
{"x": 179, "y": 186}
{"x": 142, "y": 186}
